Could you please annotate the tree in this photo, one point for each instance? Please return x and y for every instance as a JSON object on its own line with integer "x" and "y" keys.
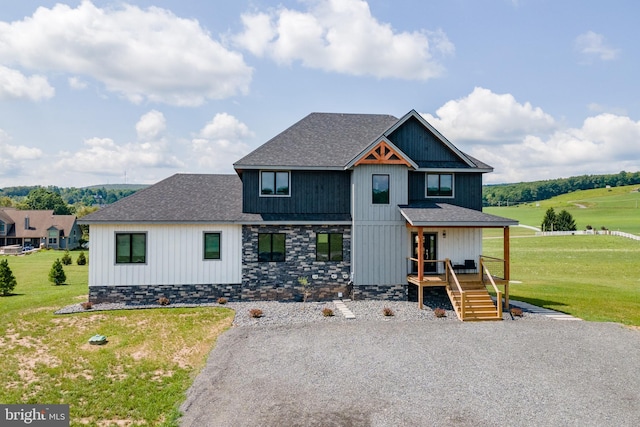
{"x": 82, "y": 260}
{"x": 7, "y": 279}
{"x": 549, "y": 221}
{"x": 42, "y": 199}
{"x": 66, "y": 258}
{"x": 56, "y": 274}
{"x": 565, "y": 222}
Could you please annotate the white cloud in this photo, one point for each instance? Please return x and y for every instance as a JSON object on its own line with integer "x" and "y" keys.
{"x": 219, "y": 143}
{"x": 342, "y": 36}
{"x": 489, "y": 117}
{"x": 104, "y": 156}
{"x": 142, "y": 54}
{"x": 77, "y": 83}
{"x": 151, "y": 125}
{"x": 592, "y": 45}
{"x": 14, "y": 84}
{"x": 15, "y": 159}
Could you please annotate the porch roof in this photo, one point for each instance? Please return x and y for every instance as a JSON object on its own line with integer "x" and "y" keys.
{"x": 446, "y": 215}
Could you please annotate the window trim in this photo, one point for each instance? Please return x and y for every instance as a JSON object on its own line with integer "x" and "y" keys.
{"x": 328, "y": 254}
{"x": 439, "y": 174}
{"x": 275, "y": 178}
{"x": 373, "y": 201}
{"x": 284, "y": 251}
{"x": 130, "y": 233}
{"x": 204, "y": 245}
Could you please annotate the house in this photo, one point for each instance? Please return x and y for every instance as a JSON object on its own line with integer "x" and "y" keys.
{"x": 38, "y": 228}
{"x": 362, "y": 205}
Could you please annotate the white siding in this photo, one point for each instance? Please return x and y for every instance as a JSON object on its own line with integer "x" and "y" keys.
{"x": 458, "y": 245}
{"x": 379, "y": 232}
{"x": 174, "y": 256}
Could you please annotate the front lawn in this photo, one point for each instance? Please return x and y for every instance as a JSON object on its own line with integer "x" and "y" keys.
{"x": 138, "y": 378}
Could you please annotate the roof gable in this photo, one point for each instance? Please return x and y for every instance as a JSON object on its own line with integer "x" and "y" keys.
{"x": 382, "y": 152}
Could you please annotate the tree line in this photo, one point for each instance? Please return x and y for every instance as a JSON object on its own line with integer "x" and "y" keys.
{"x": 63, "y": 201}
{"x": 525, "y": 192}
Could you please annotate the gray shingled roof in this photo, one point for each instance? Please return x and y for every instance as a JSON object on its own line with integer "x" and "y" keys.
{"x": 181, "y": 197}
{"x": 325, "y": 140}
{"x": 446, "y": 215}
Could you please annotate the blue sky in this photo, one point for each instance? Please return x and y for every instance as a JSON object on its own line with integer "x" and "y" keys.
{"x": 96, "y": 92}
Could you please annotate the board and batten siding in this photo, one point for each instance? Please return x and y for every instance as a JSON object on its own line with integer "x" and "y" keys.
{"x": 174, "y": 256}
{"x": 379, "y": 233}
{"x": 459, "y": 244}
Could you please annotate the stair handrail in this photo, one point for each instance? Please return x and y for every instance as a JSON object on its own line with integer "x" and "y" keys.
{"x": 463, "y": 301}
{"x": 484, "y": 268}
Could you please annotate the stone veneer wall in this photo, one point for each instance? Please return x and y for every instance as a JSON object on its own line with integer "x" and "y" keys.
{"x": 397, "y": 292}
{"x": 186, "y": 294}
{"x": 279, "y": 280}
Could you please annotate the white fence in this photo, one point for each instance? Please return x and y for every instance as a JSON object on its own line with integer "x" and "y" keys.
{"x": 588, "y": 232}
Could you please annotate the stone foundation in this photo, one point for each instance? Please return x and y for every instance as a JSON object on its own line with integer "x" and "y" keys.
{"x": 380, "y": 292}
{"x": 186, "y": 294}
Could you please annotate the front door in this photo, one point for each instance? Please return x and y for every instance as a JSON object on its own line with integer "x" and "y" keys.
{"x": 429, "y": 243}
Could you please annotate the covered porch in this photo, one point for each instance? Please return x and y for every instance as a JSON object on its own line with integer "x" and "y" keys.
{"x": 467, "y": 276}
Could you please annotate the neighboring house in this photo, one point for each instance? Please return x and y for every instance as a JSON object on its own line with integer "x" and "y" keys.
{"x": 349, "y": 201}
{"x": 40, "y": 228}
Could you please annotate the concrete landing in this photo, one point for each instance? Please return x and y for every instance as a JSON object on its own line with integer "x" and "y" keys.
{"x": 342, "y": 308}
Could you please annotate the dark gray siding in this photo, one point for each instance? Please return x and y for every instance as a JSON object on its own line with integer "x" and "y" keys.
{"x": 423, "y": 147}
{"x": 467, "y": 190}
{"x": 312, "y": 192}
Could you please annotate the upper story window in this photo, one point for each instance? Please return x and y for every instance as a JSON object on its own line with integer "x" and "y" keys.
{"x": 131, "y": 248}
{"x": 440, "y": 185}
{"x": 329, "y": 247}
{"x": 380, "y": 190}
{"x": 274, "y": 183}
{"x": 211, "y": 245}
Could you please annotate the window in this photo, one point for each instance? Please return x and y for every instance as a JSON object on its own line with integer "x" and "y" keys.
{"x": 211, "y": 245}
{"x": 440, "y": 185}
{"x": 131, "y": 248}
{"x": 53, "y": 241}
{"x": 328, "y": 247}
{"x": 2, "y": 229}
{"x": 380, "y": 190}
{"x": 274, "y": 183}
{"x": 271, "y": 247}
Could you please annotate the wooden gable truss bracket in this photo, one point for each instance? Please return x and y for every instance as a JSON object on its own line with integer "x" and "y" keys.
{"x": 383, "y": 154}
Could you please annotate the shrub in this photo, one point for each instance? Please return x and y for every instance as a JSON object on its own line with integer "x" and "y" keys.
{"x": 255, "y": 313}
{"x": 82, "y": 260}
{"x": 387, "y": 312}
{"x": 66, "y": 258}
{"x": 517, "y": 312}
{"x": 327, "y": 312}
{"x": 440, "y": 312}
{"x": 56, "y": 274}
{"x": 306, "y": 288}
{"x": 163, "y": 301}
{"x": 7, "y": 279}
{"x": 87, "y": 305}
{"x": 222, "y": 300}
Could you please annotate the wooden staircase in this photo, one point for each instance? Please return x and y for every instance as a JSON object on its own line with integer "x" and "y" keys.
{"x": 478, "y": 304}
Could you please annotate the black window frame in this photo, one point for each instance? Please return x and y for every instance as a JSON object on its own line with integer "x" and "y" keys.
{"x": 329, "y": 255}
{"x": 204, "y": 245}
{"x": 131, "y": 255}
{"x": 270, "y": 255}
{"x": 378, "y": 198}
{"x": 273, "y": 181}
{"x": 439, "y": 192}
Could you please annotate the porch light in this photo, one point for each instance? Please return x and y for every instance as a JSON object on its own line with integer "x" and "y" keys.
{"x": 444, "y": 234}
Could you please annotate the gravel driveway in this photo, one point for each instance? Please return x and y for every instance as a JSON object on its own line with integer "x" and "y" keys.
{"x": 529, "y": 372}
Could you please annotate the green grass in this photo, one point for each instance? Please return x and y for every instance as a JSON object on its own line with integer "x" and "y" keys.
{"x": 617, "y": 208}
{"x": 138, "y": 378}
{"x": 592, "y": 277}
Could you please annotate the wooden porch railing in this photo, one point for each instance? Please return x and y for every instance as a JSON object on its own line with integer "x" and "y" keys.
{"x": 500, "y": 272}
{"x": 450, "y": 291}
